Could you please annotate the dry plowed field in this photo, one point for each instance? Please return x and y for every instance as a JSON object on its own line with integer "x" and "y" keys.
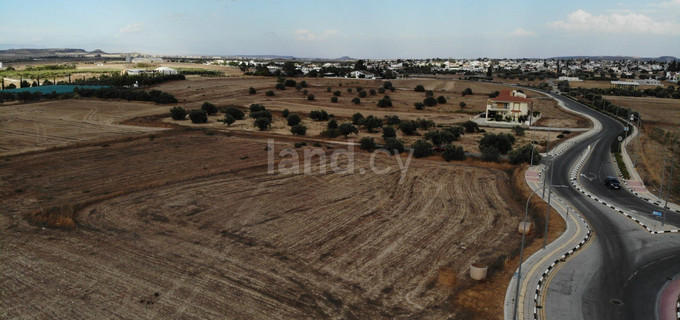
{"x": 41, "y": 125}
{"x": 192, "y": 226}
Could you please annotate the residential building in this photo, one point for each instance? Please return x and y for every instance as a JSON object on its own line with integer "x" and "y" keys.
{"x": 509, "y": 104}
{"x": 625, "y": 85}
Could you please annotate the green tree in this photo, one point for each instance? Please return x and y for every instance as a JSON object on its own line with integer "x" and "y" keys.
{"x": 519, "y": 131}
{"x": 310, "y": 97}
{"x": 430, "y": 102}
{"x": 263, "y": 123}
{"x": 362, "y": 94}
{"x": 299, "y": 130}
{"x": 289, "y": 69}
{"x": 290, "y": 83}
{"x": 419, "y": 105}
{"x": 523, "y": 154}
{"x": 422, "y": 148}
{"x": 235, "y": 112}
{"x": 452, "y": 152}
{"x": 466, "y": 92}
{"x": 210, "y": 108}
{"x": 252, "y": 90}
{"x": 357, "y": 119}
{"x": 372, "y": 92}
{"x": 372, "y": 123}
{"x": 470, "y": 126}
{"x": 393, "y": 145}
{"x": 367, "y": 143}
{"x": 269, "y": 93}
{"x": 356, "y": 100}
{"x": 332, "y": 124}
{"x": 490, "y": 153}
{"x": 228, "y": 119}
{"x": 337, "y": 93}
{"x": 178, "y": 113}
{"x": 502, "y": 142}
{"x": 389, "y": 132}
{"x": 293, "y": 119}
{"x": 409, "y": 128}
{"x": 334, "y": 99}
{"x": 285, "y": 113}
{"x": 462, "y": 104}
{"x": 419, "y": 88}
{"x": 385, "y": 102}
{"x": 198, "y": 116}
{"x": 441, "y": 100}
{"x": 347, "y": 128}
{"x": 392, "y": 120}
{"x": 319, "y": 115}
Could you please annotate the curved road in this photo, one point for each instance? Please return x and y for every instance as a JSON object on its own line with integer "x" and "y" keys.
{"x": 620, "y": 274}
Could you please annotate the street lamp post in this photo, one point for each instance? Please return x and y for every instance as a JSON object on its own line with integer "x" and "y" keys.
{"x": 547, "y": 218}
{"x": 521, "y": 256}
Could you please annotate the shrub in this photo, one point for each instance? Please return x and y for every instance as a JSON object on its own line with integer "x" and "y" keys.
{"x": 209, "y": 108}
{"x": 332, "y": 124}
{"x": 566, "y": 132}
{"x": 372, "y": 122}
{"x": 261, "y": 114}
{"x": 422, "y": 148}
{"x": 252, "y": 90}
{"x": 228, "y": 119}
{"x": 452, "y": 152}
{"x": 385, "y": 102}
{"x": 285, "y": 113}
{"x": 470, "y": 126}
{"x": 392, "y": 144}
{"x": 466, "y": 92}
{"x": 502, "y": 142}
{"x": 392, "y": 120}
{"x": 280, "y": 86}
{"x": 289, "y": 83}
{"x": 310, "y": 97}
{"x": 270, "y": 93}
{"x": 456, "y": 130}
{"x": 560, "y": 136}
{"x": 235, "y": 112}
{"x": 293, "y": 119}
{"x": 408, "y": 127}
{"x": 334, "y": 99}
{"x": 356, "y": 100}
{"x": 298, "y": 129}
{"x": 430, "y": 102}
{"x": 419, "y": 88}
{"x": 367, "y": 143}
{"x": 490, "y": 154}
{"x": 263, "y": 123}
{"x": 372, "y": 92}
{"x": 337, "y": 93}
{"x": 441, "y": 137}
{"x": 178, "y": 113}
{"x": 462, "y": 104}
{"x": 349, "y": 90}
{"x": 389, "y": 132}
{"x": 519, "y": 131}
{"x": 381, "y": 90}
{"x": 255, "y": 107}
{"x": 419, "y": 105}
{"x": 424, "y": 123}
{"x": 303, "y": 84}
{"x": 331, "y": 133}
{"x": 362, "y": 94}
{"x": 198, "y": 116}
{"x": 347, "y": 129}
{"x": 319, "y": 115}
{"x": 357, "y": 119}
{"x": 523, "y": 154}
{"x": 491, "y": 95}
{"x": 441, "y": 100}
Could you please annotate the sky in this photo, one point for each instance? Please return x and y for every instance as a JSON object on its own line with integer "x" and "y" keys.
{"x": 370, "y": 29}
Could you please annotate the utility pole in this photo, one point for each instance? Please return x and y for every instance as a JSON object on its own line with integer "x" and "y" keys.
{"x": 547, "y": 151}
{"x": 663, "y": 169}
{"x": 670, "y": 177}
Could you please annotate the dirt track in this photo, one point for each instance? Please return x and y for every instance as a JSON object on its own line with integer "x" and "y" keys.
{"x": 192, "y": 226}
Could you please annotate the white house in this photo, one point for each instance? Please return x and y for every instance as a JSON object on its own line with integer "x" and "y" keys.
{"x": 165, "y": 70}
{"x": 359, "y": 74}
{"x": 649, "y": 82}
{"x": 570, "y": 79}
{"x": 508, "y": 104}
{"x": 625, "y": 84}
{"x": 137, "y": 72}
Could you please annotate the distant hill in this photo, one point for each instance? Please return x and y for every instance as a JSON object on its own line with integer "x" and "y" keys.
{"x": 345, "y": 58}
{"x": 19, "y": 54}
{"x": 610, "y": 58}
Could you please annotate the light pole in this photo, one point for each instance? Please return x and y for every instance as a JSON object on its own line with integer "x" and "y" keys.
{"x": 547, "y": 151}
{"x": 521, "y": 255}
{"x": 670, "y": 176}
{"x": 547, "y": 214}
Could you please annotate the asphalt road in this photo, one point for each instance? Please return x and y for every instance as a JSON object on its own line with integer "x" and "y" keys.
{"x": 620, "y": 274}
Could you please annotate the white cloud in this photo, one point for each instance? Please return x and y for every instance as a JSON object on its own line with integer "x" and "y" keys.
{"x": 626, "y": 23}
{"x": 133, "y": 28}
{"x": 306, "y": 35}
{"x": 521, "y": 32}
{"x": 667, "y": 4}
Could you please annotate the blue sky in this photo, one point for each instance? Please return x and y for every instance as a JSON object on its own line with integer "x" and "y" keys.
{"x": 360, "y": 29}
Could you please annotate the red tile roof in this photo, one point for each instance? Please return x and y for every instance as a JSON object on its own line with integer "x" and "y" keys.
{"x": 506, "y": 96}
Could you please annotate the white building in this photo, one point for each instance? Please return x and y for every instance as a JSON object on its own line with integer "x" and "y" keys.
{"x": 165, "y": 70}
{"x": 570, "y": 79}
{"x": 508, "y": 104}
{"x": 649, "y": 82}
{"x": 359, "y": 74}
{"x": 137, "y": 72}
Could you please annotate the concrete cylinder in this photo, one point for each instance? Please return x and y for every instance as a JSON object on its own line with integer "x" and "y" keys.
{"x": 524, "y": 227}
{"x": 446, "y": 276}
{"x": 478, "y": 271}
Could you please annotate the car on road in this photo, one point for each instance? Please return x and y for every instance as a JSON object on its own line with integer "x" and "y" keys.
{"x": 612, "y": 183}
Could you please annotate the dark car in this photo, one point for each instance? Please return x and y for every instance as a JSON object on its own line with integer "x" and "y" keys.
{"x": 612, "y": 183}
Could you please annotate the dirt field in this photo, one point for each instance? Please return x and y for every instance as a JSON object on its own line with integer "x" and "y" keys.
{"x": 652, "y": 109}
{"x": 190, "y": 225}
{"x": 36, "y": 126}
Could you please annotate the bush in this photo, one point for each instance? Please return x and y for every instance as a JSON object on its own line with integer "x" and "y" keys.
{"x": 519, "y": 131}
{"x": 334, "y": 99}
{"x": 429, "y": 93}
{"x": 280, "y": 86}
{"x": 209, "y": 108}
{"x": 409, "y": 128}
{"x": 381, "y": 90}
{"x": 462, "y": 104}
{"x": 523, "y": 154}
{"x": 422, "y": 148}
{"x": 466, "y": 92}
{"x": 293, "y": 119}
{"x": 332, "y": 124}
{"x": 319, "y": 115}
{"x": 419, "y": 105}
{"x": 372, "y": 122}
{"x": 430, "y": 102}
{"x": 349, "y": 90}
{"x": 492, "y": 95}
{"x": 178, "y": 113}
{"x": 441, "y": 137}
{"x": 235, "y": 112}
{"x": 385, "y": 102}
{"x": 303, "y": 84}
{"x": 560, "y": 136}
{"x": 347, "y": 129}
{"x": 392, "y": 144}
{"x": 367, "y": 143}
{"x": 502, "y": 142}
{"x": 261, "y": 114}
{"x": 255, "y": 107}
{"x": 337, "y": 93}
{"x": 289, "y": 83}
{"x": 310, "y": 97}
{"x": 270, "y": 93}
{"x": 424, "y": 123}
{"x": 389, "y": 132}
{"x": 490, "y": 154}
{"x": 452, "y": 152}
{"x": 285, "y": 113}
{"x": 372, "y": 92}
{"x": 198, "y": 116}
{"x": 252, "y": 90}
{"x": 362, "y": 94}
{"x": 357, "y": 119}
{"x": 419, "y": 88}
{"x": 441, "y": 100}
{"x": 392, "y": 120}
{"x": 356, "y": 100}
{"x": 228, "y": 119}
{"x": 470, "y": 126}
{"x": 331, "y": 133}
{"x": 298, "y": 129}
{"x": 263, "y": 123}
